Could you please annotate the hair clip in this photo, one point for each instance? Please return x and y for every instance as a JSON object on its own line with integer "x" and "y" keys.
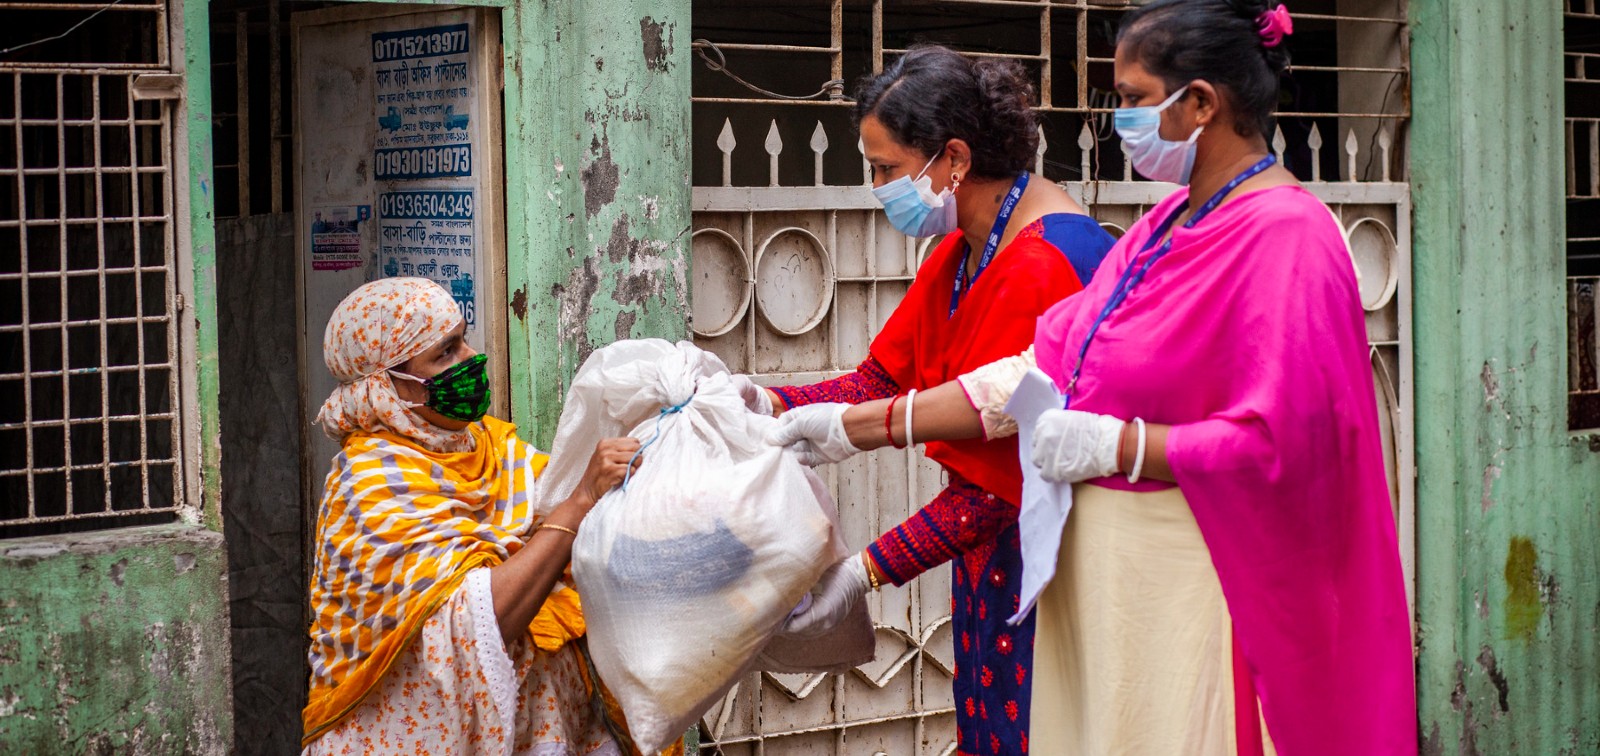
{"x": 1274, "y": 25}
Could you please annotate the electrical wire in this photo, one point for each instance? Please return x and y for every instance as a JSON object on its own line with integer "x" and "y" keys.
{"x": 831, "y": 87}
{"x": 62, "y": 35}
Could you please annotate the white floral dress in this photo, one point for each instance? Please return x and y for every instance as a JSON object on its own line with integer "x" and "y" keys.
{"x": 457, "y": 690}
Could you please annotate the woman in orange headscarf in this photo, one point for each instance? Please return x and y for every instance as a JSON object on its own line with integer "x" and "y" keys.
{"x": 441, "y": 624}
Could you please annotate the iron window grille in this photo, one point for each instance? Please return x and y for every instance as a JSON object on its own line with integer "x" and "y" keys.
{"x": 90, "y": 431}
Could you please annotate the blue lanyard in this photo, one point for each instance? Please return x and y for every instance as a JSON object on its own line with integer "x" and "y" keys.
{"x": 1134, "y": 273}
{"x": 990, "y": 247}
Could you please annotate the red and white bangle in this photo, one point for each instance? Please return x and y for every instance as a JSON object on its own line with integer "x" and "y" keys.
{"x": 911, "y": 403}
{"x": 888, "y": 423}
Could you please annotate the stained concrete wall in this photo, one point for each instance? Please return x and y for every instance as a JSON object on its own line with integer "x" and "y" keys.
{"x": 597, "y": 194}
{"x": 1508, "y": 571}
{"x": 114, "y": 642}
{"x": 262, "y": 512}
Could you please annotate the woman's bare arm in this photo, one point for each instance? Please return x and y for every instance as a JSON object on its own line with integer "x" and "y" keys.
{"x": 521, "y": 583}
{"x": 943, "y": 413}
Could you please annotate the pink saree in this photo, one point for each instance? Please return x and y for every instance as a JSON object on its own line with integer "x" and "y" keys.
{"x": 1248, "y": 338}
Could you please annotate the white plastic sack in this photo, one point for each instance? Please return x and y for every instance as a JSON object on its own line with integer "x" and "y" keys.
{"x": 686, "y": 574}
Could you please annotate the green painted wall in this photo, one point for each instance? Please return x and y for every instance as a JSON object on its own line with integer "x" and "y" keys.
{"x": 115, "y": 642}
{"x": 597, "y": 195}
{"x": 199, "y": 206}
{"x": 1508, "y": 569}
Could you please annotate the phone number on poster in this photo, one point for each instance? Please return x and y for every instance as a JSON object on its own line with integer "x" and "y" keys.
{"x": 424, "y": 162}
{"x": 420, "y": 43}
{"x": 436, "y": 205}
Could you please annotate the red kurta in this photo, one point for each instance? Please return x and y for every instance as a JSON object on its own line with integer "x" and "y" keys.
{"x": 923, "y": 346}
{"x": 973, "y": 521}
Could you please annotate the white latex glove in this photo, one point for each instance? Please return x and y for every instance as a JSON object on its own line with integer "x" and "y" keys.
{"x": 1071, "y": 446}
{"x": 831, "y": 599}
{"x": 755, "y": 397}
{"x": 815, "y": 433}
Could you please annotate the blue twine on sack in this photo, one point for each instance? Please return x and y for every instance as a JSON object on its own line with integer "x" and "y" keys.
{"x": 655, "y": 434}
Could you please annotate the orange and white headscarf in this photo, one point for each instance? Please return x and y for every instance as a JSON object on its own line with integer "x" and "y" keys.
{"x": 375, "y": 329}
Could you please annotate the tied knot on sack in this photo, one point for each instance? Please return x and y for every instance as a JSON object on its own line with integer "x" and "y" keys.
{"x": 716, "y": 521}
{"x": 654, "y": 434}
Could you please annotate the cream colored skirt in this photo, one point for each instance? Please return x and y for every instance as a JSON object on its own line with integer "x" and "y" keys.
{"x": 1134, "y": 649}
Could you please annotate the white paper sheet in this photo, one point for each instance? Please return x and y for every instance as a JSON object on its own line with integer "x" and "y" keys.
{"x": 1044, "y": 504}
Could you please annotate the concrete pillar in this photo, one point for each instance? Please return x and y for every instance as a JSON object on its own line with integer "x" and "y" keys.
{"x": 1508, "y": 597}
{"x": 597, "y": 206}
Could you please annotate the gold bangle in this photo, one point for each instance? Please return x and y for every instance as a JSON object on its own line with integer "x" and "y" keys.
{"x": 561, "y": 528}
{"x": 872, "y": 574}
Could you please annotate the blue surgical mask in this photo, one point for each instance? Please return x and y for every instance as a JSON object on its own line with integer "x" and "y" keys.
{"x": 1153, "y": 157}
{"x": 912, "y": 207}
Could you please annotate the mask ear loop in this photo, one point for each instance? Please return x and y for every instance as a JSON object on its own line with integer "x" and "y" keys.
{"x": 1172, "y": 98}
{"x": 403, "y": 402}
{"x": 1195, "y": 135}
{"x": 925, "y": 168}
{"x": 955, "y": 178}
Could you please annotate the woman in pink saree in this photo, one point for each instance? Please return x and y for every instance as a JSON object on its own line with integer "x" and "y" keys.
{"x": 1228, "y": 579}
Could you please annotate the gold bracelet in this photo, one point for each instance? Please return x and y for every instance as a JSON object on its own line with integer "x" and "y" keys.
{"x": 561, "y": 528}
{"x": 872, "y": 574}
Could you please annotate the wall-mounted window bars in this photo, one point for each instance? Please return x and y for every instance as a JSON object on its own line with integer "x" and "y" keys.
{"x": 89, "y": 376}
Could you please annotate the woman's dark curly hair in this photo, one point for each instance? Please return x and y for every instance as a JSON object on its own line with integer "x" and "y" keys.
{"x": 932, "y": 95}
{"x": 1180, "y": 41}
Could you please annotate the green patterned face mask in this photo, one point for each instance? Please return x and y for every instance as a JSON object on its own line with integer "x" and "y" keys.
{"x": 459, "y": 392}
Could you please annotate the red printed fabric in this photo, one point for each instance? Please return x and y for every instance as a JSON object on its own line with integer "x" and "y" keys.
{"x": 977, "y": 532}
{"x": 870, "y": 381}
{"x": 963, "y": 517}
{"x": 923, "y": 346}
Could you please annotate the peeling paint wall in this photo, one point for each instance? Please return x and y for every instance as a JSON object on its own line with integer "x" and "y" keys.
{"x": 597, "y": 155}
{"x": 196, "y": 232}
{"x": 115, "y": 642}
{"x": 1508, "y": 502}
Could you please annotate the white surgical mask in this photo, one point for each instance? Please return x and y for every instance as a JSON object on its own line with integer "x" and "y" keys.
{"x": 912, "y": 207}
{"x": 1153, "y": 157}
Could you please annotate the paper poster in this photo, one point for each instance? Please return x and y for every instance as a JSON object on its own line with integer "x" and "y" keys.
{"x": 336, "y": 236}
{"x": 431, "y": 233}
{"x": 424, "y": 103}
{"x": 423, "y": 158}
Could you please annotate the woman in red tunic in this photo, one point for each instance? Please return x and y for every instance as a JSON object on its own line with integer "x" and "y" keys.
{"x": 949, "y": 141}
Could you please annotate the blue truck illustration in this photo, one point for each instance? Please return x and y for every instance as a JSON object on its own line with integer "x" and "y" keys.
{"x": 390, "y": 122}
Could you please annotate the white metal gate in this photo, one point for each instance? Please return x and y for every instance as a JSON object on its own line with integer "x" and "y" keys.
{"x": 795, "y": 270}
